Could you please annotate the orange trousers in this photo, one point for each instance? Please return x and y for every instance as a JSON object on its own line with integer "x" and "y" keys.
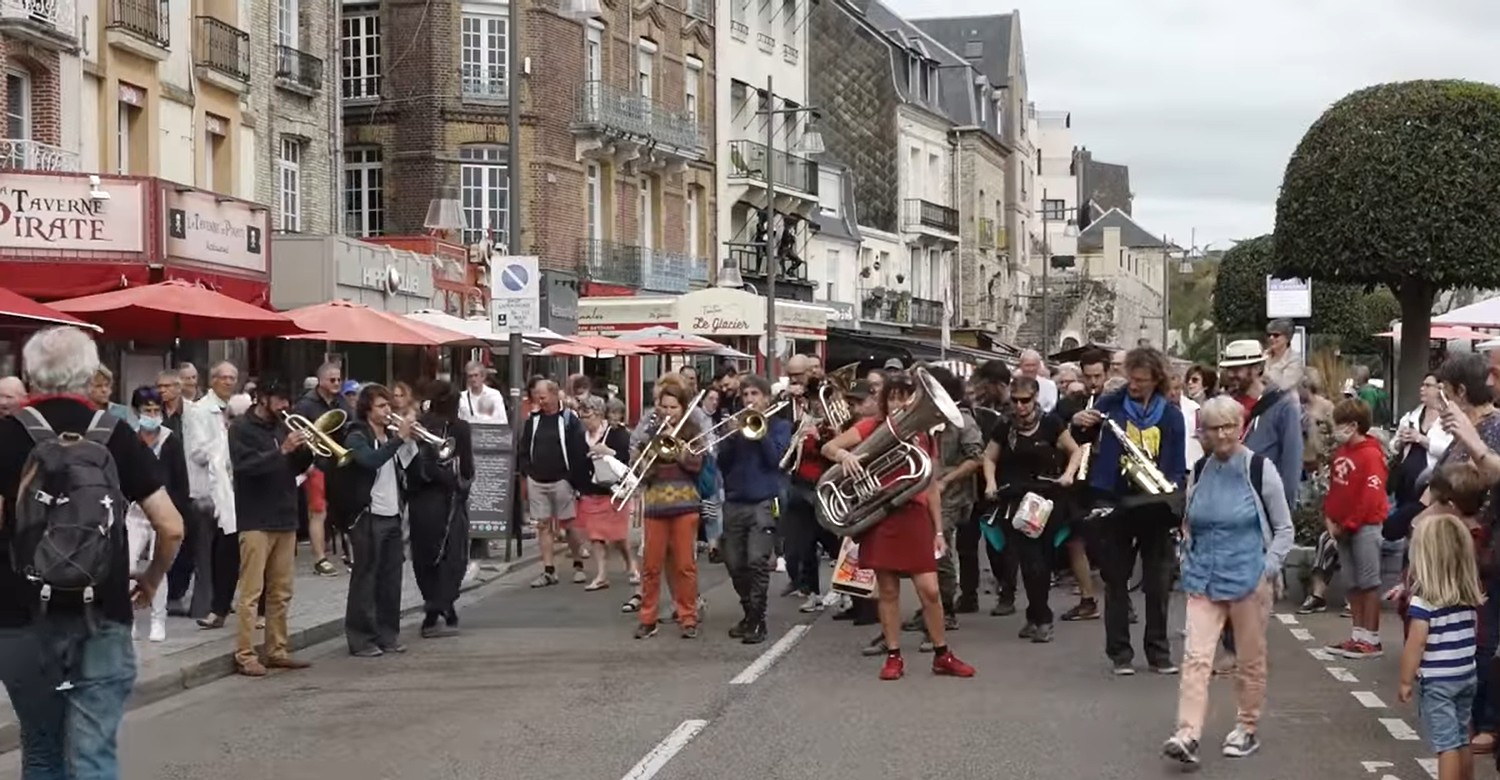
{"x": 671, "y": 543}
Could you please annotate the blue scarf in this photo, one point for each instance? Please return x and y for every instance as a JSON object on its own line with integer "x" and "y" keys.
{"x": 1147, "y": 416}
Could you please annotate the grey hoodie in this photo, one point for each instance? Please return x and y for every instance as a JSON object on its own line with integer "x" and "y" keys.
{"x": 1275, "y": 433}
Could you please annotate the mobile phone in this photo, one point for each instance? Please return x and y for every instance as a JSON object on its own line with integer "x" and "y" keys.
{"x": 1443, "y": 394}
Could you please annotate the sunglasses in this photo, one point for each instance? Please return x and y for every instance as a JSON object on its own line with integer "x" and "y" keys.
{"x": 1021, "y": 399}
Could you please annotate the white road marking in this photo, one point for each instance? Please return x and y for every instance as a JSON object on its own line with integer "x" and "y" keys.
{"x": 1341, "y": 674}
{"x": 1321, "y": 654}
{"x": 1302, "y": 634}
{"x": 665, "y": 750}
{"x": 1399, "y": 730}
{"x": 1286, "y": 618}
{"x": 762, "y": 664}
{"x": 1429, "y": 765}
{"x": 1372, "y": 767}
{"x": 1369, "y": 699}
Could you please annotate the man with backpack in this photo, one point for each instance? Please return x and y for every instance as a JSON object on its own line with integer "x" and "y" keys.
{"x": 66, "y": 467}
{"x": 554, "y": 456}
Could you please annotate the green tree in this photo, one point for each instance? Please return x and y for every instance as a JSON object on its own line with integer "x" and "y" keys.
{"x": 1239, "y": 295}
{"x": 1397, "y": 185}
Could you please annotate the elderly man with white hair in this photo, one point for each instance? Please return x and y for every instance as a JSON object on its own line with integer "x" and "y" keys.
{"x": 12, "y": 393}
{"x": 1030, "y": 365}
{"x": 69, "y": 730}
{"x": 215, "y": 550}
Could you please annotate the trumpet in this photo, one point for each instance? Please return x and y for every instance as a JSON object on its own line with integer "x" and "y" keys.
{"x": 446, "y": 447}
{"x": 663, "y": 446}
{"x": 746, "y": 422}
{"x": 319, "y": 434}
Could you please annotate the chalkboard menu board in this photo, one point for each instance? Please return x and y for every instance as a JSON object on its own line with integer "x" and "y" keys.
{"x": 490, "y": 496}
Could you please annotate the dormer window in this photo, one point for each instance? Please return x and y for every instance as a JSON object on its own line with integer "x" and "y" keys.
{"x": 926, "y": 72}
{"x": 913, "y": 73}
{"x": 983, "y": 100}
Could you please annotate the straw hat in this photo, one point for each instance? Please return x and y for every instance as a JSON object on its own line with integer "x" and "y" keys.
{"x": 1245, "y": 352}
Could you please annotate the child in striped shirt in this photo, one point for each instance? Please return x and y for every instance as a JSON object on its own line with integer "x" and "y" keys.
{"x": 1439, "y": 652}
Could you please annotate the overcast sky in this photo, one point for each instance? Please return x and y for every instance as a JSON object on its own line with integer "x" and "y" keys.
{"x": 1205, "y": 99}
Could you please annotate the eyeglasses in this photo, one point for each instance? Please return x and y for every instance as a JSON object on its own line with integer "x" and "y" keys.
{"x": 1021, "y": 400}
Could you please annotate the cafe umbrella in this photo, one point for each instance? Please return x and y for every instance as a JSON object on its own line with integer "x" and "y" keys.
{"x": 176, "y": 309}
{"x": 18, "y": 311}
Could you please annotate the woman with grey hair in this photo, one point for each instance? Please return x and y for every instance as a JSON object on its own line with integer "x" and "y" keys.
{"x": 607, "y": 527}
{"x": 1238, "y": 532}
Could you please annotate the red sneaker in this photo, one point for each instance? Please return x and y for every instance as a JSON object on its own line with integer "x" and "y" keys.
{"x": 894, "y": 668}
{"x": 948, "y": 664}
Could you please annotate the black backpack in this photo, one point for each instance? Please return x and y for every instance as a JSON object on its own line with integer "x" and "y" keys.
{"x": 70, "y": 511}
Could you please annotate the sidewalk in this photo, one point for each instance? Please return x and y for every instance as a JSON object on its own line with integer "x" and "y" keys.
{"x": 191, "y": 656}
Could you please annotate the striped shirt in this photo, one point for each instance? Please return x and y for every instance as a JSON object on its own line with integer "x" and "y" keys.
{"x": 1449, "y": 653}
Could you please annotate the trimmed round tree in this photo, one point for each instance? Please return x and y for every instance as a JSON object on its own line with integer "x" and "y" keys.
{"x": 1397, "y": 185}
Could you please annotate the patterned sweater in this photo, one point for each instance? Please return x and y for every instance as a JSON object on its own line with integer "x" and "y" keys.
{"x": 671, "y": 489}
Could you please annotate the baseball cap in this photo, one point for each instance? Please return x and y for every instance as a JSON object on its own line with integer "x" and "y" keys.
{"x": 895, "y": 364}
{"x": 859, "y": 391}
{"x": 350, "y": 386}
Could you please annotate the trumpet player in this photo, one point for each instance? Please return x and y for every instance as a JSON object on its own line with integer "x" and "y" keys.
{"x": 325, "y": 510}
{"x": 752, "y": 481}
{"x": 907, "y": 543}
{"x": 266, "y": 457}
{"x": 372, "y": 615}
{"x": 1140, "y": 520}
{"x": 1093, "y": 371}
{"x": 437, "y": 505}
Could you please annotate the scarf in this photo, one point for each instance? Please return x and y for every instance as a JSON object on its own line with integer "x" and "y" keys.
{"x": 1147, "y": 415}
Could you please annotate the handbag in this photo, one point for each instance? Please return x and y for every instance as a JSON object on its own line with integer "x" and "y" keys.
{"x": 607, "y": 469}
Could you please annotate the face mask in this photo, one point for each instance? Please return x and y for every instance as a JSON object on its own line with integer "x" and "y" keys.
{"x": 1342, "y": 435}
{"x": 148, "y": 424}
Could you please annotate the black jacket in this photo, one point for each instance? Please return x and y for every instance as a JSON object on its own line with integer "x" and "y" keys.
{"x": 369, "y": 456}
{"x": 426, "y": 472}
{"x": 174, "y": 471}
{"x": 265, "y": 479}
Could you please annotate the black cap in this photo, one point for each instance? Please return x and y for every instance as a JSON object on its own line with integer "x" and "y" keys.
{"x": 859, "y": 391}
{"x": 273, "y": 387}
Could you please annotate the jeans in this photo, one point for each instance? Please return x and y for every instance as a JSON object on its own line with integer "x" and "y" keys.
{"x": 68, "y": 735}
{"x": 1148, "y": 526}
{"x": 372, "y": 614}
{"x": 1486, "y": 641}
{"x": 1444, "y": 705}
{"x": 748, "y": 545}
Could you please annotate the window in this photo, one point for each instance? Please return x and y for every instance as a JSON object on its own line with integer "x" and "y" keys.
{"x": 914, "y": 173}
{"x": 1054, "y": 210}
{"x": 691, "y": 83}
{"x": 486, "y": 193}
{"x": 934, "y": 176}
{"x": 926, "y": 75}
{"x": 216, "y": 165}
{"x": 984, "y": 105}
{"x": 286, "y": 23}
{"x": 485, "y": 36}
{"x": 973, "y": 49}
{"x": 913, "y": 262}
{"x": 645, "y": 66}
{"x": 934, "y": 275}
{"x": 364, "y": 192}
{"x": 17, "y": 105}
{"x": 646, "y": 213}
{"x": 290, "y": 168}
{"x": 913, "y": 73}
{"x": 831, "y": 275}
{"x": 360, "y": 53}
{"x": 593, "y": 189}
{"x": 126, "y": 117}
{"x": 737, "y": 18}
{"x": 789, "y": 20}
{"x": 694, "y": 210}
{"x": 593, "y": 52}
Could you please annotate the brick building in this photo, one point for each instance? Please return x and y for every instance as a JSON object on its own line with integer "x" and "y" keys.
{"x": 619, "y": 173}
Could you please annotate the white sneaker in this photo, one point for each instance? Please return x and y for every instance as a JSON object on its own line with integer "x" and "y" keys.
{"x": 135, "y": 631}
{"x": 471, "y": 573}
{"x": 158, "y": 630}
{"x": 1240, "y": 743}
{"x": 814, "y": 603}
{"x": 781, "y": 564}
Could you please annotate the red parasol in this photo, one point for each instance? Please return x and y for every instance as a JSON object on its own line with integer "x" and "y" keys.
{"x": 356, "y": 323}
{"x": 20, "y": 311}
{"x": 597, "y": 347}
{"x": 667, "y": 345}
{"x": 1444, "y": 333}
{"x": 176, "y": 309}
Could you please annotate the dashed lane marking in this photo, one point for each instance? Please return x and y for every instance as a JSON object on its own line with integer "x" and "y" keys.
{"x": 665, "y": 750}
{"x": 1371, "y": 767}
{"x": 1429, "y": 765}
{"x": 1369, "y": 699}
{"x": 1302, "y": 634}
{"x": 1341, "y": 674}
{"x": 1286, "y": 618}
{"x": 1399, "y": 730}
{"x": 762, "y": 664}
{"x": 1321, "y": 654}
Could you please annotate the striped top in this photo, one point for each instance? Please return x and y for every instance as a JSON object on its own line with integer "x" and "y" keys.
{"x": 1449, "y": 653}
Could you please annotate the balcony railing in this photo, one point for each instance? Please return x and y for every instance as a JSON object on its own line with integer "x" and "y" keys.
{"x": 925, "y": 311}
{"x": 765, "y": 43}
{"x": 738, "y": 29}
{"x": 51, "y": 17}
{"x": 892, "y": 308}
{"x": 27, "y": 155}
{"x": 753, "y": 263}
{"x": 698, "y": 269}
{"x": 483, "y": 82}
{"x": 662, "y": 271}
{"x": 789, "y": 53}
{"x": 920, "y": 213}
{"x": 609, "y": 263}
{"x": 747, "y": 160}
{"x": 300, "y": 67}
{"x": 222, "y": 47}
{"x": 986, "y": 233}
{"x": 150, "y": 20}
{"x": 612, "y": 109}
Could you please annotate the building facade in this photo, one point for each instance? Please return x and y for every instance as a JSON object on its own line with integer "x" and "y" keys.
{"x": 43, "y": 71}
{"x": 1056, "y": 205}
{"x": 833, "y": 250}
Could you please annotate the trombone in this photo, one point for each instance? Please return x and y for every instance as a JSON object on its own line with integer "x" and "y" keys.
{"x": 746, "y": 422}
{"x": 446, "y": 447}
{"x": 319, "y": 434}
{"x": 663, "y": 445}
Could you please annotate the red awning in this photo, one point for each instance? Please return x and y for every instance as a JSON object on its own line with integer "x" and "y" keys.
{"x": 355, "y": 323}
{"x": 18, "y": 310}
{"x": 176, "y": 309}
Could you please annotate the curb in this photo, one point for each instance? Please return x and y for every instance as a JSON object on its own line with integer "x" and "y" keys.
{"x": 217, "y": 664}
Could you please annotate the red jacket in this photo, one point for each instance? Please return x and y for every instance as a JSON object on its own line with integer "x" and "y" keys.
{"x": 1356, "y": 485}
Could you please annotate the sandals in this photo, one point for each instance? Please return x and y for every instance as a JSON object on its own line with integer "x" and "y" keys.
{"x": 633, "y": 604}
{"x": 597, "y": 585}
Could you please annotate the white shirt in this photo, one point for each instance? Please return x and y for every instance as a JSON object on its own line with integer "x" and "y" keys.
{"x": 468, "y": 406}
{"x": 385, "y": 495}
{"x": 1046, "y": 395}
{"x": 1190, "y": 409}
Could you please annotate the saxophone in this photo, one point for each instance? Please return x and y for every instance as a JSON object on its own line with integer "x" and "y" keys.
{"x": 1086, "y": 450}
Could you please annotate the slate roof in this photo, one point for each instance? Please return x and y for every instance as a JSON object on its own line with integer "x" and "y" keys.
{"x": 993, "y": 33}
{"x": 1132, "y": 235}
{"x": 1106, "y": 184}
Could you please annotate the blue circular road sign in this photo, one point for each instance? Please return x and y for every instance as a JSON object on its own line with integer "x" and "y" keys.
{"x": 514, "y": 277}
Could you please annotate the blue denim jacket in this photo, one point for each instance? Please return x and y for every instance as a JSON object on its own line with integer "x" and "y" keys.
{"x": 1235, "y": 538}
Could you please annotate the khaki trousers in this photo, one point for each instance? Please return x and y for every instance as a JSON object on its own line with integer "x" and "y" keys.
{"x": 1205, "y": 622}
{"x": 265, "y": 566}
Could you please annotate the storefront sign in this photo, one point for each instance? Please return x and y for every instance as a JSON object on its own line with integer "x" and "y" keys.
{"x": 722, "y": 312}
{"x": 801, "y": 317}
{"x": 208, "y": 228}
{"x": 67, "y": 213}
{"x": 597, "y": 315}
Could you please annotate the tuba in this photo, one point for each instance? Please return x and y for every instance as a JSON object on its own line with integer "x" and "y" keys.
{"x": 319, "y": 434}
{"x": 895, "y": 468}
{"x": 1086, "y": 452}
{"x": 1138, "y": 467}
{"x": 831, "y": 390}
{"x": 746, "y": 422}
{"x": 664, "y": 445}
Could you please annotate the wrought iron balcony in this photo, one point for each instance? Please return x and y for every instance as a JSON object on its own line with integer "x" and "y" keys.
{"x": 752, "y": 263}
{"x": 891, "y": 307}
{"x": 662, "y": 271}
{"x": 483, "y": 83}
{"x": 747, "y": 160}
{"x": 765, "y": 43}
{"x": 299, "y": 67}
{"x": 986, "y": 233}
{"x": 222, "y": 48}
{"x": 27, "y": 155}
{"x": 927, "y": 312}
{"x": 149, "y": 20}
{"x": 609, "y": 109}
{"x": 50, "y": 23}
{"x": 698, "y": 269}
{"x": 926, "y": 216}
{"x": 609, "y": 263}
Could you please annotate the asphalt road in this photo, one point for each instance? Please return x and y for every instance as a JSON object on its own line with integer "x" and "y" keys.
{"x": 549, "y": 685}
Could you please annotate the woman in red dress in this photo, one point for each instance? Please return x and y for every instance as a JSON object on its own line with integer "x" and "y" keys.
{"x": 907, "y": 542}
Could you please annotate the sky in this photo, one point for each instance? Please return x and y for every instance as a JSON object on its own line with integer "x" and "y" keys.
{"x": 1206, "y": 99}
